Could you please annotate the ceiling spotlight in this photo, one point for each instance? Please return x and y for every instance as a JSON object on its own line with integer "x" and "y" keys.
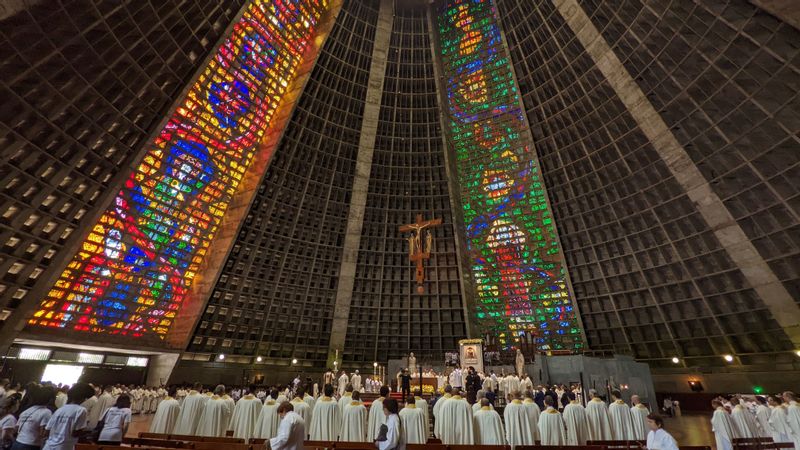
{"x": 375, "y": 364}
{"x": 259, "y": 359}
{"x": 797, "y": 353}
{"x": 728, "y": 358}
{"x": 675, "y": 360}
{"x": 221, "y": 356}
{"x": 294, "y": 360}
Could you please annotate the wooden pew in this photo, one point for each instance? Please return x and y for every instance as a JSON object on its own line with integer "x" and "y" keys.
{"x": 619, "y": 445}
{"x": 752, "y": 443}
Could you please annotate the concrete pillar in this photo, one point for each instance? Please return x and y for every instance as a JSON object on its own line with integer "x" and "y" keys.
{"x": 160, "y": 368}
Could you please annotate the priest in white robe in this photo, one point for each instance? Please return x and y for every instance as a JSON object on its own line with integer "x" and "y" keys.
{"x": 345, "y": 399}
{"x": 793, "y": 417}
{"x": 166, "y": 414}
{"x": 724, "y": 429}
{"x": 343, "y": 381}
{"x": 422, "y": 405}
{"x": 525, "y": 384}
{"x": 192, "y": 409}
{"x": 437, "y": 408}
{"x": 413, "y": 424}
{"x": 480, "y": 395}
{"x": 551, "y": 425}
{"x": 355, "y": 380}
{"x": 268, "y": 420}
{"x": 354, "y": 420}
{"x": 457, "y": 426}
{"x": 105, "y": 401}
{"x": 326, "y": 420}
{"x": 619, "y": 417}
{"x": 92, "y": 412}
{"x": 517, "y": 422}
{"x": 745, "y": 422}
{"x": 376, "y": 415}
{"x": 639, "y": 414}
{"x": 216, "y": 415}
{"x": 488, "y": 427}
{"x": 778, "y": 421}
{"x": 575, "y": 422}
{"x": 597, "y": 415}
{"x": 533, "y": 413}
{"x": 762, "y": 417}
{"x": 300, "y": 407}
{"x": 245, "y": 416}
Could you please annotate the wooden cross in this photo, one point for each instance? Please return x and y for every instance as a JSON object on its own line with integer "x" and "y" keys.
{"x": 416, "y": 252}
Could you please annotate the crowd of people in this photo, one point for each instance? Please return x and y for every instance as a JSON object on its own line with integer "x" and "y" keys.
{"x": 737, "y": 417}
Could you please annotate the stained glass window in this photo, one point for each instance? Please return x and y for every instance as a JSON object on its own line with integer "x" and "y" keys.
{"x": 517, "y": 263}
{"x": 135, "y": 268}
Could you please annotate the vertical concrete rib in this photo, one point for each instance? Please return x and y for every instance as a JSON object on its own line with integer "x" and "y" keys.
{"x": 730, "y": 235}
{"x": 358, "y": 199}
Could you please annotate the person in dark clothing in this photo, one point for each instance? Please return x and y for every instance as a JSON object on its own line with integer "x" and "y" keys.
{"x": 539, "y": 398}
{"x": 405, "y": 383}
{"x": 491, "y": 396}
{"x": 473, "y": 385}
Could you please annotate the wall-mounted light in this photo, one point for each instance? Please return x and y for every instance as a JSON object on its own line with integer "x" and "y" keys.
{"x": 797, "y": 353}
{"x": 259, "y": 359}
{"x": 728, "y": 358}
{"x": 294, "y": 361}
{"x": 221, "y": 356}
{"x": 375, "y": 364}
{"x": 675, "y": 360}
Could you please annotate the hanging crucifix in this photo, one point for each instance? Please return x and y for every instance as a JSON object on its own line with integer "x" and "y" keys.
{"x": 418, "y": 253}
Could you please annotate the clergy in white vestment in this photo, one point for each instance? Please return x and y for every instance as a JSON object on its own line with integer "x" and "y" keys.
{"x": 437, "y": 408}
{"x": 105, "y": 401}
{"x": 793, "y": 417}
{"x": 326, "y": 420}
{"x": 457, "y": 427}
{"x": 525, "y": 384}
{"x": 268, "y": 421}
{"x": 517, "y": 422}
{"x": 245, "y": 416}
{"x": 533, "y": 413}
{"x": 422, "y": 405}
{"x": 551, "y": 425}
{"x": 657, "y": 437}
{"x": 745, "y": 422}
{"x": 762, "y": 417}
{"x": 619, "y": 417}
{"x": 722, "y": 426}
{"x": 345, "y": 399}
{"x": 512, "y": 384}
{"x": 480, "y": 395}
{"x": 376, "y": 415}
{"x": 300, "y": 407}
{"x": 291, "y": 431}
{"x": 354, "y": 421}
{"x": 413, "y": 424}
{"x": 192, "y": 409}
{"x": 639, "y": 414}
{"x": 310, "y": 401}
{"x": 92, "y": 412}
{"x": 778, "y": 421}
{"x": 216, "y": 415}
{"x": 575, "y": 422}
{"x": 488, "y": 427}
{"x": 597, "y": 415}
{"x": 166, "y": 414}
{"x": 355, "y": 380}
{"x": 343, "y": 381}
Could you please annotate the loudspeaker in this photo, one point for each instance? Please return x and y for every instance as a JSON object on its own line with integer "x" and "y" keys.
{"x": 696, "y": 386}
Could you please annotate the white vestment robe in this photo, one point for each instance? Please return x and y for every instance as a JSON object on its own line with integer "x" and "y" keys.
{"x": 92, "y": 412}
{"x": 302, "y": 409}
{"x": 215, "y": 418}
{"x": 745, "y": 422}
{"x": 291, "y": 433}
{"x": 661, "y": 440}
{"x": 779, "y": 424}
{"x": 413, "y": 425}
{"x": 268, "y": 421}
{"x": 793, "y": 419}
{"x": 639, "y": 414}
{"x": 724, "y": 429}
{"x": 477, "y": 406}
{"x": 355, "y": 380}
{"x": 310, "y": 401}
{"x": 437, "y": 408}
{"x": 518, "y": 424}
{"x": 619, "y": 417}
{"x": 245, "y": 416}
{"x": 576, "y": 424}
{"x": 597, "y": 415}
{"x": 457, "y": 425}
{"x": 488, "y": 427}
{"x": 343, "y": 380}
{"x": 422, "y": 405}
{"x": 525, "y": 385}
{"x": 551, "y": 427}
{"x": 345, "y": 400}
{"x": 376, "y": 419}
{"x": 762, "y": 418}
{"x": 166, "y": 416}
{"x": 512, "y": 383}
{"x": 189, "y": 417}
{"x": 326, "y": 421}
{"x": 105, "y": 401}
{"x": 354, "y": 423}
{"x": 533, "y": 414}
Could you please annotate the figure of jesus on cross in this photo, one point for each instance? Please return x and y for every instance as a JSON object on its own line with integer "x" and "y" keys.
{"x": 416, "y": 252}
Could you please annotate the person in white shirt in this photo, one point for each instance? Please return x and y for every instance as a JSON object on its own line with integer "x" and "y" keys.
{"x": 394, "y": 436}
{"x": 658, "y": 438}
{"x": 8, "y": 423}
{"x": 115, "y": 422}
{"x": 69, "y": 422}
{"x": 32, "y": 422}
{"x": 291, "y": 431}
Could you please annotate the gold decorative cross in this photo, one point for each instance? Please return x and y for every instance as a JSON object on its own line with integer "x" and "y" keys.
{"x": 416, "y": 252}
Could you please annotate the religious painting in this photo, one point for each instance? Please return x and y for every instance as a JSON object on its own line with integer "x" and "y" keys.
{"x": 471, "y": 353}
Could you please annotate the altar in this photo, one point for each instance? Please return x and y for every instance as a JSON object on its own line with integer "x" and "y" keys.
{"x": 429, "y": 385}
